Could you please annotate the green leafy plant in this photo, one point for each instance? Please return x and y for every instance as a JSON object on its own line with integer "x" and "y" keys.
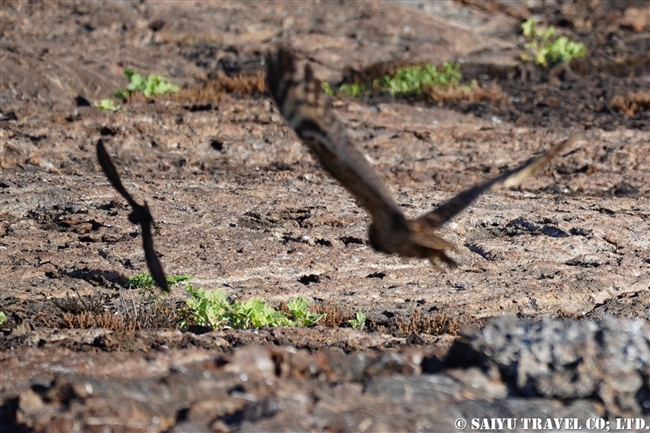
{"x": 107, "y": 104}
{"x": 212, "y": 309}
{"x": 144, "y": 281}
{"x": 360, "y": 322}
{"x": 299, "y": 308}
{"x": 353, "y": 89}
{"x": 414, "y": 79}
{"x": 327, "y": 88}
{"x": 3, "y": 317}
{"x": 151, "y": 86}
{"x": 547, "y": 51}
{"x": 207, "y": 308}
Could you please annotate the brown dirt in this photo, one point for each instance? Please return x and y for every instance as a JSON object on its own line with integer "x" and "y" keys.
{"x": 240, "y": 204}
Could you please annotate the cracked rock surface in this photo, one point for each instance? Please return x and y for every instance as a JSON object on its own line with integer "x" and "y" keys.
{"x": 511, "y": 368}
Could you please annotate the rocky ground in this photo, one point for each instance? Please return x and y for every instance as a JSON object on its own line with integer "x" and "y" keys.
{"x": 545, "y": 318}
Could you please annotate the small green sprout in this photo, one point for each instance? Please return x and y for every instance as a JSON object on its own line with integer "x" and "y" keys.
{"x": 566, "y": 50}
{"x": 152, "y": 86}
{"x": 212, "y": 309}
{"x": 3, "y": 317}
{"x": 175, "y": 279}
{"x": 327, "y": 88}
{"x": 107, "y": 104}
{"x": 299, "y": 308}
{"x": 359, "y": 323}
{"x": 144, "y": 281}
{"x": 353, "y": 89}
{"x": 546, "y": 51}
{"x": 529, "y": 29}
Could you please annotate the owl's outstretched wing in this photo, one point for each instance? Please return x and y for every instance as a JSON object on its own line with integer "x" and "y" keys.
{"x": 446, "y": 211}
{"x": 307, "y": 109}
{"x": 139, "y": 215}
